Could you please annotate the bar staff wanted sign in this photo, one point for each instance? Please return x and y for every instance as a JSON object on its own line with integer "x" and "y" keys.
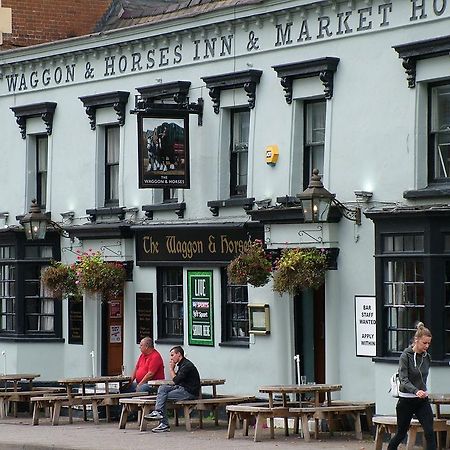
{"x": 200, "y": 301}
{"x": 365, "y": 325}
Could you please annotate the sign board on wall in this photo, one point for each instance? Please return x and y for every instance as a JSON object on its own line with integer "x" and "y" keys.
{"x": 144, "y": 315}
{"x": 365, "y": 325}
{"x": 200, "y": 302}
{"x": 75, "y": 322}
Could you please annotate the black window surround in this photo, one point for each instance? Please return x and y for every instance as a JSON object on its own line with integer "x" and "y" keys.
{"x": 246, "y": 203}
{"x": 432, "y": 221}
{"x": 415, "y": 51}
{"x": 247, "y": 79}
{"x": 116, "y": 100}
{"x": 152, "y": 97}
{"x": 23, "y": 263}
{"x": 324, "y": 68}
{"x": 179, "y": 209}
{"x": 45, "y": 111}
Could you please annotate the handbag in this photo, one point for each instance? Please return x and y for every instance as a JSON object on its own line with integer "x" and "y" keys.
{"x": 395, "y": 385}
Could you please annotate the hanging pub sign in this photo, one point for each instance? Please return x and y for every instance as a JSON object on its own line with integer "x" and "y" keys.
{"x": 200, "y": 304}
{"x": 193, "y": 243}
{"x": 163, "y": 149}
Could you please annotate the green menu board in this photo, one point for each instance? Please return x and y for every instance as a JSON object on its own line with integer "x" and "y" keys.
{"x": 200, "y": 302}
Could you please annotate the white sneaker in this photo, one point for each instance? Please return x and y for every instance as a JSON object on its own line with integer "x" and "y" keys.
{"x": 161, "y": 428}
{"x": 154, "y": 415}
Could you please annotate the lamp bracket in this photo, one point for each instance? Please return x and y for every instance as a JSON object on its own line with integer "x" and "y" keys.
{"x": 59, "y": 228}
{"x": 353, "y": 214}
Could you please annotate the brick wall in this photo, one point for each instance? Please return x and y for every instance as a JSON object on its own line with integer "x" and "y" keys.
{"x": 38, "y": 21}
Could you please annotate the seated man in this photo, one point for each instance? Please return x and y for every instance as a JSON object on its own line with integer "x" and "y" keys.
{"x": 186, "y": 387}
{"x": 149, "y": 366}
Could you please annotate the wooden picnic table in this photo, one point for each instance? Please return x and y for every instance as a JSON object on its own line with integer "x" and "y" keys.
{"x": 15, "y": 378}
{"x": 438, "y": 400}
{"x": 70, "y": 383}
{"x": 298, "y": 389}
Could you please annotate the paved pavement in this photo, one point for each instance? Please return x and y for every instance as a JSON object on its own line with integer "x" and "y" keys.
{"x": 19, "y": 434}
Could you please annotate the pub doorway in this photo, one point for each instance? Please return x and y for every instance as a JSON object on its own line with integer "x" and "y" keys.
{"x": 112, "y": 336}
{"x": 309, "y": 333}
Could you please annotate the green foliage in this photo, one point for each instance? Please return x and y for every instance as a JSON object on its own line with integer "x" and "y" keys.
{"x": 90, "y": 273}
{"x": 60, "y": 279}
{"x": 252, "y": 266}
{"x": 300, "y": 268}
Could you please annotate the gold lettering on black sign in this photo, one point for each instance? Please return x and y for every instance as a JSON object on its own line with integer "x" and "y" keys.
{"x": 227, "y": 245}
{"x": 184, "y": 248}
{"x": 150, "y": 246}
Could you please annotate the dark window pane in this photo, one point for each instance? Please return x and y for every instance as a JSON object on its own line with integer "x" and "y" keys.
{"x": 170, "y": 288}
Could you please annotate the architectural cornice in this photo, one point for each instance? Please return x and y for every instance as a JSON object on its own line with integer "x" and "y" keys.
{"x": 44, "y": 110}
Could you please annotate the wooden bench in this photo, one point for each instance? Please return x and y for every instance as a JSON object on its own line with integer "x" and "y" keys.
{"x": 261, "y": 413}
{"x": 208, "y": 404}
{"x": 370, "y": 408}
{"x": 56, "y": 402}
{"x": 14, "y": 397}
{"x": 328, "y": 413}
{"x": 389, "y": 424}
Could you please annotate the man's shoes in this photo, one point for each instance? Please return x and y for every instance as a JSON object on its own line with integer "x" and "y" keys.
{"x": 154, "y": 415}
{"x": 161, "y": 428}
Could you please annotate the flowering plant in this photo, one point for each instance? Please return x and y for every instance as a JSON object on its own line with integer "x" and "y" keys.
{"x": 89, "y": 273}
{"x": 60, "y": 279}
{"x": 97, "y": 275}
{"x": 300, "y": 268}
{"x": 252, "y": 266}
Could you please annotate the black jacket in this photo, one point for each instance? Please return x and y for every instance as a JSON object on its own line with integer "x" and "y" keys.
{"x": 188, "y": 377}
{"x": 413, "y": 371}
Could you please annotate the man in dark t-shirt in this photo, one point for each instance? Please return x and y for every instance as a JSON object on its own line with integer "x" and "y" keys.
{"x": 186, "y": 387}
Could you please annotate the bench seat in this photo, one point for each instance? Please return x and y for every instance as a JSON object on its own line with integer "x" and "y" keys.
{"x": 389, "y": 424}
{"x": 55, "y": 402}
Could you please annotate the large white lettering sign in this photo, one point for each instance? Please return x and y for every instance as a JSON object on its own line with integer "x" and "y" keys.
{"x": 365, "y": 325}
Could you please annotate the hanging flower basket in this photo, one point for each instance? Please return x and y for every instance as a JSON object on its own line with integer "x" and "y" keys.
{"x": 300, "y": 268}
{"x": 60, "y": 279}
{"x": 94, "y": 274}
{"x": 252, "y": 266}
{"x": 91, "y": 273}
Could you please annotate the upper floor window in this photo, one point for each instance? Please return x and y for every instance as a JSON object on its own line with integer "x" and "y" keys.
{"x": 439, "y": 132}
{"x": 112, "y": 151}
{"x": 314, "y": 138}
{"x": 170, "y": 195}
{"x": 170, "y": 303}
{"x": 41, "y": 170}
{"x": 239, "y": 137}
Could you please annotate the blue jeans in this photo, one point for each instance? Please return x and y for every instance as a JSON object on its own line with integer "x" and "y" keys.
{"x": 170, "y": 392}
{"x": 406, "y": 408}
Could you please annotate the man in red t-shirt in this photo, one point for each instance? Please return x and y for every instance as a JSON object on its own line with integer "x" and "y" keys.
{"x": 149, "y": 366}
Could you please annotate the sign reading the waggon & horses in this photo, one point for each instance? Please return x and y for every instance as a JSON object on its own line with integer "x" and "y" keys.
{"x": 193, "y": 243}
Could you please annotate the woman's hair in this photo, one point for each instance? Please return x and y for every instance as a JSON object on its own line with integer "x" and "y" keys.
{"x": 421, "y": 331}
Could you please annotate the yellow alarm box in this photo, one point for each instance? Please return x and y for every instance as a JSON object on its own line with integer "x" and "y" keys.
{"x": 272, "y": 154}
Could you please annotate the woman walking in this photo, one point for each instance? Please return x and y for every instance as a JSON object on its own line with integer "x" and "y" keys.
{"x": 413, "y": 372}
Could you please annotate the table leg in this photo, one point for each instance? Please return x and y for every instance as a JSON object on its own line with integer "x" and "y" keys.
{"x": 271, "y": 422}
{"x": 379, "y": 437}
{"x": 286, "y": 422}
{"x": 123, "y": 416}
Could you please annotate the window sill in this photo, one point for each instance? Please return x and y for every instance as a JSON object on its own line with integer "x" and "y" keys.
{"x": 94, "y": 213}
{"x": 235, "y": 344}
{"x": 169, "y": 341}
{"x": 179, "y": 209}
{"x": 394, "y": 360}
{"x": 31, "y": 338}
{"x": 246, "y": 202}
{"x": 436, "y": 191}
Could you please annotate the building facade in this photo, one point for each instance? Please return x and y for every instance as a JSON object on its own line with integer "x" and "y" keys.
{"x": 154, "y": 144}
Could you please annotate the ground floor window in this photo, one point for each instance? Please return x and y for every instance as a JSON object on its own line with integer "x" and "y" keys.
{"x": 28, "y": 310}
{"x": 170, "y": 303}
{"x": 412, "y": 279}
{"x": 235, "y": 321}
